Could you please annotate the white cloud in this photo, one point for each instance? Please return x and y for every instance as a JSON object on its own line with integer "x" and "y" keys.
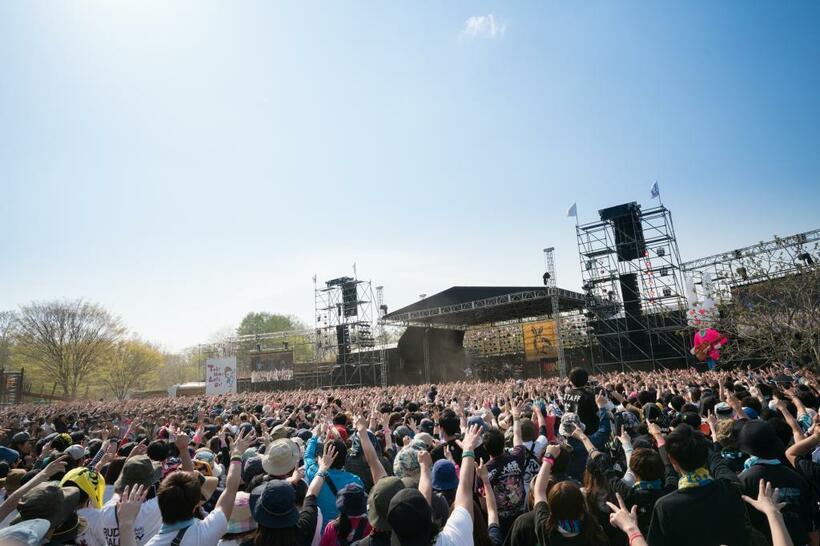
{"x": 483, "y": 26}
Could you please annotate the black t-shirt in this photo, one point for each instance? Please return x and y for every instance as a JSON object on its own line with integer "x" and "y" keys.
{"x": 793, "y": 490}
{"x": 707, "y": 516}
{"x": 522, "y": 532}
{"x": 582, "y": 402}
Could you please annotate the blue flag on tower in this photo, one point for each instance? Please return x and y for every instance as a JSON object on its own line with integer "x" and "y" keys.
{"x": 572, "y": 211}
{"x": 656, "y": 191}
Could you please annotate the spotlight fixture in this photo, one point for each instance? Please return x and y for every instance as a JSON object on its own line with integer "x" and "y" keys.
{"x": 546, "y": 277}
{"x": 806, "y": 258}
{"x": 661, "y": 251}
{"x": 743, "y": 273}
{"x": 667, "y": 292}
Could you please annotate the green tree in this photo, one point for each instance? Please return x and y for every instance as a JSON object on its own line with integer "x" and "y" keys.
{"x": 7, "y": 322}
{"x": 265, "y": 323}
{"x": 130, "y": 365}
{"x": 65, "y": 339}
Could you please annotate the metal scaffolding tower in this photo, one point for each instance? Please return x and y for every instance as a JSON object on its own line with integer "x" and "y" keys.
{"x": 550, "y": 281}
{"x": 632, "y": 278}
{"x": 345, "y": 327}
{"x": 764, "y": 261}
{"x": 381, "y": 333}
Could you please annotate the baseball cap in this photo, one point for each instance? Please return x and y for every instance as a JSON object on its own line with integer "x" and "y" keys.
{"x": 76, "y": 452}
{"x": 252, "y": 468}
{"x": 411, "y": 518}
{"x": 21, "y": 438}
{"x": 281, "y": 457}
{"x": 401, "y": 432}
{"x": 9, "y": 455}
{"x": 723, "y": 410}
{"x": 378, "y": 503}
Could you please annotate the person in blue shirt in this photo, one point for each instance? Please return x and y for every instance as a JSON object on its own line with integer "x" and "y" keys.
{"x": 336, "y": 477}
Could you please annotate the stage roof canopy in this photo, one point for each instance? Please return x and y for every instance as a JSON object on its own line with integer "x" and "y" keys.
{"x": 462, "y": 306}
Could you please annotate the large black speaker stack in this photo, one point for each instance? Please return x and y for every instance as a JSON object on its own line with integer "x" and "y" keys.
{"x": 626, "y": 222}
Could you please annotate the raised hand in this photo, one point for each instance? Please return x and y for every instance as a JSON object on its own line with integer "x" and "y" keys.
{"x": 243, "y": 442}
{"x": 425, "y": 460}
{"x": 601, "y": 399}
{"x": 765, "y": 499}
{"x": 182, "y": 441}
{"x": 360, "y": 424}
{"x": 482, "y": 473}
{"x": 712, "y": 420}
{"x": 139, "y": 449}
{"x": 624, "y": 437}
{"x": 55, "y": 467}
{"x": 128, "y": 507}
{"x": 327, "y": 457}
{"x": 472, "y": 439}
{"x": 623, "y": 519}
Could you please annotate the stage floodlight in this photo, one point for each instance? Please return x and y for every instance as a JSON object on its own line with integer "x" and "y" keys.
{"x": 743, "y": 273}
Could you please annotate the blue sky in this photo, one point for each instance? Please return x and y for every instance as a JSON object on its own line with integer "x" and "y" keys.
{"x": 183, "y": 163}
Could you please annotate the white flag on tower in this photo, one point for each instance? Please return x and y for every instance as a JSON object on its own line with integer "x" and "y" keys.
{"x": 572, "y": 211}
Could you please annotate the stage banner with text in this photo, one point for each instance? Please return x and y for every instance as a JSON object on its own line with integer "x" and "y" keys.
{"x": 540, "y": 341}
{"x": 220, "y": 375}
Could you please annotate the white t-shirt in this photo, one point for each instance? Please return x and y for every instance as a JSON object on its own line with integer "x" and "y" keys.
{"x": 108, "y": 494}
{"x": 105, "y": 531}
{"x": 91, "y": 516}
{"x": 206, "y": 532}
{"x": 458, "y": 531}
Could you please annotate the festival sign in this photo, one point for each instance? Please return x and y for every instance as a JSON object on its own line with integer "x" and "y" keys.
{"x": 540, "y": 340}
{"x": 220, "y": 375}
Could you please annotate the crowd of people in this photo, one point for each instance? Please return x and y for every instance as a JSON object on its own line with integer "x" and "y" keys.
{"x": 658, "y": 458}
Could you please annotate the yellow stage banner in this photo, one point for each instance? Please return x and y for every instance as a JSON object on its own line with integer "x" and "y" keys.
{"x": 540, "y": 340}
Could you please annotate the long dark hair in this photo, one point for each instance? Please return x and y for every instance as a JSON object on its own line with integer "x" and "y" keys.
{"x": 481, "y": 536}
{"x": 265, "y": 536}
{"x": 343, "y": 528}
{"x": 566, "y": 502}
{"x": 595, "y": 480}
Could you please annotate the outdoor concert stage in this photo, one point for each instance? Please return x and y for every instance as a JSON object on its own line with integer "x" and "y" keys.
{"x": 432, "y": 347}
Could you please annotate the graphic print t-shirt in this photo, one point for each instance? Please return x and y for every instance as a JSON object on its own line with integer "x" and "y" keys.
{"x": 506, "y": 475}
